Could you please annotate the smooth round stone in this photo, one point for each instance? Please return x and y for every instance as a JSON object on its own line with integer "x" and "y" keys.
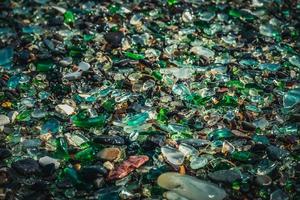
{"x": 109, "y": 139}
{"x": 187, "y": 150}
{"x": 263, "y": 180}
{"x": 227, "y": 176}
{"x": 4, "y": 120}
{"x": 46, "y": 160}
{"x": 198, "y": 162}
{"x": 190, "y": 187}
{"x": 109, "y": 154}
{"x": 26, "y": 167}
{"x": 172, "y": 155}
{"x": 84, "y": 66}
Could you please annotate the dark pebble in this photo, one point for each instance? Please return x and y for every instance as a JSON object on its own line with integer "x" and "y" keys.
{"x": 114, "y": 38}
{"x": 109, "y": 139}
{"x": 48, "y": 170}
{"x": 91, "y": 173}
{"x": 133, "y": 148}
{"x": 39, "y": 186}
{"x": 276, "y": 153}
{"x": 248, "y": 126}
{"x": 26, "y": 167}
{"x": 24, "y": 56}
{"x": 227, "y": 176}
{"x": 64, "y": 184}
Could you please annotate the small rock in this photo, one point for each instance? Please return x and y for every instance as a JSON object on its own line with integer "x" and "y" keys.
{"x": 248, "y": 126}
{"x": 46, "y": 160}
{"x": 276, "y": 153}
{"x": 109, "y": 154}
{"x": 26, "y": 166}
{"x": 91, "y": 173}
{"x": 127, "y": 166}
{"x": 189, "y": 187}
{"x": 4, "y": 120}
{"x": 83, "y": 66}
{"x": 114, "y": 38}
{"x": 109, "y": 139}
{"x": 227, "y": 176}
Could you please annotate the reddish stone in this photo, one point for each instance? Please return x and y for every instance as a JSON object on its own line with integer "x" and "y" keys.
{"x": 127, "y": 166}
{"x": 223, "y": 89}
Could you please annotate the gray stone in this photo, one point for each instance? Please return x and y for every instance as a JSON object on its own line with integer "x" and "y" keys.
{"x": 46, "y": 160}
{"x": 4, "y": 120}
{"x": 227, "y": 176}
{"x": 188, "y": 187}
